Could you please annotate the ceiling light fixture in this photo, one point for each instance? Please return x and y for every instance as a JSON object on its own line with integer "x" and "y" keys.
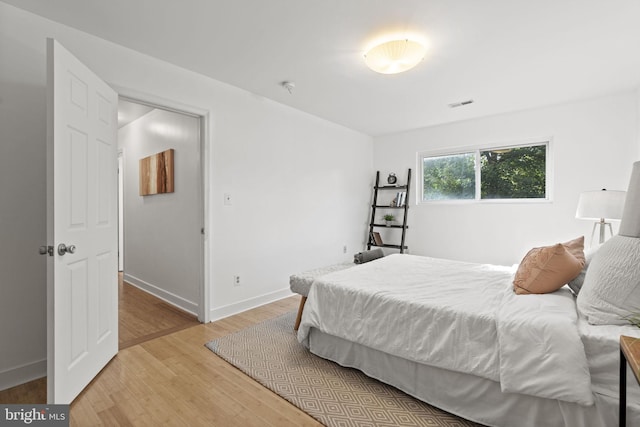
{"x": 394, "y": 56}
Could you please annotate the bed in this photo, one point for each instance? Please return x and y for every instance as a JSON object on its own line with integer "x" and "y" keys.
{"x": 498, "y": 345}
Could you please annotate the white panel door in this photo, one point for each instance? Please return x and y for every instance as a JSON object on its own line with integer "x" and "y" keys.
{"x": 82, "y": 282}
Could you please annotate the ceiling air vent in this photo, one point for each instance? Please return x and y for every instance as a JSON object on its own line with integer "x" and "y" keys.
{"x": 460, "y": 104}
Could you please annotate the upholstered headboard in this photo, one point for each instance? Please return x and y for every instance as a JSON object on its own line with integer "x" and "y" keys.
{"x": 630, "y": 224}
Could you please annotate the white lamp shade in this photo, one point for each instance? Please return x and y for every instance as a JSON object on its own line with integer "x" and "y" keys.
{"x": 394, "y": 56}
{"x": 595, "y": 205}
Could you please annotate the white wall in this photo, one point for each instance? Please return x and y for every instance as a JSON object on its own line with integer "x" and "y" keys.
{"x": 162, "y": 240}
{"x": 594, "y": 145}
{"x": 22, "y": 207}
{"x": 300, "y": 185}
{"x": 300, "y": 191}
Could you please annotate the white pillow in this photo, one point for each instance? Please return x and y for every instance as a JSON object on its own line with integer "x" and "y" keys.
{"x": 576, "y": 284}
{"x": 611, "y": 289}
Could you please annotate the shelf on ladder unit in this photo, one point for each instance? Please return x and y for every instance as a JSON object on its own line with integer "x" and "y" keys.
{"x": 375, "y": 207}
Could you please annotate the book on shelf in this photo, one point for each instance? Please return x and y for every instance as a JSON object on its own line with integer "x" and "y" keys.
{"x": 401, "y": 199}
{"x": 376, "y": 238}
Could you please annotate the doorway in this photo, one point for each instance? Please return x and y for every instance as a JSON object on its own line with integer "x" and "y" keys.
{"x": 160, "y": 235}
{"x": 82, "y": 221}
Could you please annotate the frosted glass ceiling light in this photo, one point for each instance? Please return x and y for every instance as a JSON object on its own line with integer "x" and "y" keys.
{"x": 394, "y": 56}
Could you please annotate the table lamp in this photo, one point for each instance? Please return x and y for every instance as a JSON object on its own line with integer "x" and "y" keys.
{"x": 601, "y": 206}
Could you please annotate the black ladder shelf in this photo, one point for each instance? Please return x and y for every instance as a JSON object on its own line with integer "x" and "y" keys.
{"x": 404, "y": 207}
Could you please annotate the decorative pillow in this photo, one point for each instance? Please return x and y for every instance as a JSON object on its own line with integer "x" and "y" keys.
{"x": 576, "y": 283}
{"x": 611, "y": 289}
{"x": 548, "y": 268}
{"x": 366, "y": 256}
{"x": 576, "y": 248}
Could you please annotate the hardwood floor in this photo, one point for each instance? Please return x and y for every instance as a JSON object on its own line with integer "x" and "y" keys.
{"x": 175, "y": 380}
{"x": 142, "y": 317}
{"x": 32, "y": 392}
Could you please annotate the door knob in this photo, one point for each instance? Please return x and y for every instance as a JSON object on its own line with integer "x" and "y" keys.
{"x": 63, "y": 249}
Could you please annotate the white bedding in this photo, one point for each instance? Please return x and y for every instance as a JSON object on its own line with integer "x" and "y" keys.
{"x": 457, "y": 316}
{"x": 602, "y": 346}
{"x": 541, "y": 352}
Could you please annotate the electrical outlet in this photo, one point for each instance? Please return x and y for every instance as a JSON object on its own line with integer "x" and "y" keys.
{"x": 236, "y": 280}
{"x": 344, "y": 249}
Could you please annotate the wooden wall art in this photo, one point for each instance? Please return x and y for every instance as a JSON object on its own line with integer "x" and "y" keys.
{"x": 156, "y": 173}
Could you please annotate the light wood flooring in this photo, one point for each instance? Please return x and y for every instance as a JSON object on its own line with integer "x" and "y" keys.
{"x": 142, "y": 317}
{"x": 32, "y": 392}
{"x": 174, "y": 380}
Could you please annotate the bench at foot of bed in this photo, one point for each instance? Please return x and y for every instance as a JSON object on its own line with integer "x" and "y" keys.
{"x": 301, "y": 283}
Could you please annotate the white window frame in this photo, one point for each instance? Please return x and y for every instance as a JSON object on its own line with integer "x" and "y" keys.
{"x": 548, "y": 142}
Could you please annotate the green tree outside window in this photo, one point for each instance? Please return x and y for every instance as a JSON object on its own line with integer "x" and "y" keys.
{"x": 514, "y": 173}
{"x": 504, "y": 173}
{"x": 449, "y": 177}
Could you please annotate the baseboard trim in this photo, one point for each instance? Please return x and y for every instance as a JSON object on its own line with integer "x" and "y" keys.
{"x": 168, "y": 297}
{"x": 23, "y": 374}
{"x": 238, "y": 307}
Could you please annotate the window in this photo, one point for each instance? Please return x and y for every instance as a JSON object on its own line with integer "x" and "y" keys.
{"x": 504, "y": 173}
{"x": 449, "y": 177}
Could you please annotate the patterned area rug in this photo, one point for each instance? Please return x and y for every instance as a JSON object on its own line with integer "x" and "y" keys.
{"x": 336, "y": 396}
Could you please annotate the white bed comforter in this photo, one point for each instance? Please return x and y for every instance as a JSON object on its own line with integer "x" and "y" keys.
{"x": 458, "y": 316}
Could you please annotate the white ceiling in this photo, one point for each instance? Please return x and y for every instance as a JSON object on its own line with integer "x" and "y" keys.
{"x": 130, "y": 111}
{"x": 504, "y": 54}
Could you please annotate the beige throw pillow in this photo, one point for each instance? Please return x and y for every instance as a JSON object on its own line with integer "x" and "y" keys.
{"x": 548, "y": 268}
